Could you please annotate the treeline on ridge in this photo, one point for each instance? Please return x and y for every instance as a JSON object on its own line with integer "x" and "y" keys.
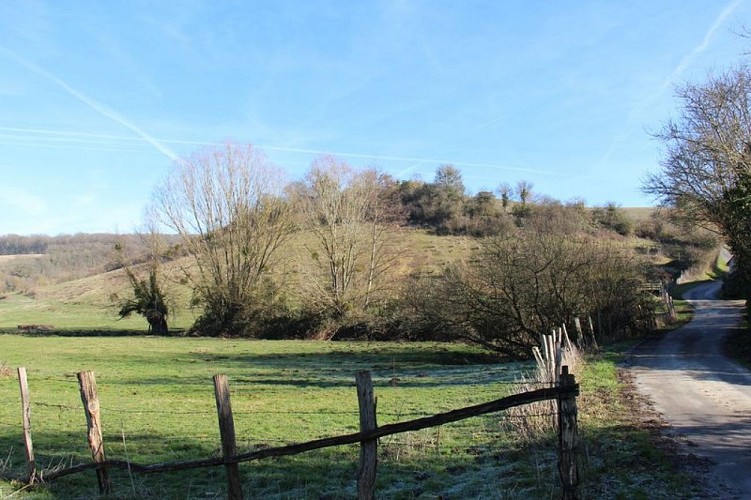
{"x": 325, "y": 257}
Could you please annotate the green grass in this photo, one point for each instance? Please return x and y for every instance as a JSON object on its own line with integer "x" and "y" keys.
{"x": 157, "y": 394}
{"x": 157, "y": 405}
{"x": 17, "y": 309}
{"x": 622, "y": 457}
{"x": 89, "y": 303}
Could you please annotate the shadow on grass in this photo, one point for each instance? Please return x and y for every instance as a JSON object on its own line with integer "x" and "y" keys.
{"x": 75, "y": 332}
{"x": 738, "y": 345}
{"x": 633, "y": 461}
{"x": 408, "y": 468}
{"x": 401, "y": 366}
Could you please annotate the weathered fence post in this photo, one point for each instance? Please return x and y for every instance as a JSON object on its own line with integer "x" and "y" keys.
{"x": 26, "y": 409}
{"x": 366, "y": 474}
{"x": 592, "y": 333}
{"x": 580, "y": 340}
{"x": 568, "y": 435}
{"x": 227, "y": 433}
{"x": 87, "y": 385}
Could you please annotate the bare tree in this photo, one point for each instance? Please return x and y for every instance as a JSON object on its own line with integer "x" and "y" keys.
{"x": 519, "y": 286}
{"x": 346, "y": 214}
{"x": 226, "y": 203}
{"x": 449, "y": 178}
{"x": 706, "y": 170}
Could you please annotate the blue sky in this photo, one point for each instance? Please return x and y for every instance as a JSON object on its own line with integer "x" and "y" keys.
{"x": 97, "y": 99}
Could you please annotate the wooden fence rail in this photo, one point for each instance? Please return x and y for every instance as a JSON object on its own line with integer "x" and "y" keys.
{"x": 565, "y": 392}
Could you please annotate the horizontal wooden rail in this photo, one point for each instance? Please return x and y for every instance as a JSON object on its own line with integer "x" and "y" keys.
{"x": 294, "y": 449}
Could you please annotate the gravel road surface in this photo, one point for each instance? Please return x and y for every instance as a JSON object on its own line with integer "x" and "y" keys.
{"x": 705, "y": 397}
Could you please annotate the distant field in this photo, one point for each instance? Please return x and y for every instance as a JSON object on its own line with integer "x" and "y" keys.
{"x": 639, "y": 213}
{"x": 8, "y": 258}
{"x": 89, "y": 303}
{"x": 16, "y": 309}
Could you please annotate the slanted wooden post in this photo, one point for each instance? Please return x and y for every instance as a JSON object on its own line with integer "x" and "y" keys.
{"x": 26, "y": 409}
{"x": 580, "y": 340}
{"x": 568, "y": 466}
{"x": 592, "y": 333}
{"x": 366, "y": 474}
{"x": 87, "y": 385}
{"x": 227, "y": 433}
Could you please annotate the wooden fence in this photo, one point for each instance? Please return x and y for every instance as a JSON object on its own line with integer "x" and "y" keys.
{"x": 565, "y": 392}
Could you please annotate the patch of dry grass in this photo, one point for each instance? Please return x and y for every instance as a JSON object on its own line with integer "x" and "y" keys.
{"x": 25, "y": 256}
{"x": 536, "y": 420}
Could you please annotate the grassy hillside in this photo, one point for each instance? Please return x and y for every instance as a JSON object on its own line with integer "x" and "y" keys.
{"x": 89, "y": 303}
{"x": 638, "y": 214}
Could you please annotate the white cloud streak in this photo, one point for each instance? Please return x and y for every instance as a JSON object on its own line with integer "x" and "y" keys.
{"x": 93, "y": 104}
{"x": 689, "y": 58}
{"x": 94, "y": 140}
{"x": 684, "y": 63}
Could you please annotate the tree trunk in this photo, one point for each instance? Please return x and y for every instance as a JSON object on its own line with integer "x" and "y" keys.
{"x": 158, "y": 324}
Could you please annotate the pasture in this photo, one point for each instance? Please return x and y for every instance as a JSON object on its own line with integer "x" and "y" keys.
{"x": 158, "y": 405}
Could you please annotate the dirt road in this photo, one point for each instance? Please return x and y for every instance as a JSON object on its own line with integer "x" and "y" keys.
{"x": 705, "y": 397}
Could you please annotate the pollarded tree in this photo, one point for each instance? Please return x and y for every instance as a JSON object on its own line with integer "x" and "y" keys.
{"x": 226, "y": 203}
{"x": 706, "y": 170}
{"x": 149, "y": 298}
{"x": 524, "y": 191}
{"x": 505, "y": 191}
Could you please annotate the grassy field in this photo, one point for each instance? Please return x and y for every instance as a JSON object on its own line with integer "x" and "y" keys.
{"x": 73, "y": 316}
{"x": 157, "y": 405}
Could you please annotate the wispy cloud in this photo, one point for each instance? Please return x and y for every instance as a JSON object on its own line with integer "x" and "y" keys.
{"x": 36, "y": 135}
{"x": 670, "y": 80}
{"x": 689, "y": 58}
{"x": 93, "y": 104}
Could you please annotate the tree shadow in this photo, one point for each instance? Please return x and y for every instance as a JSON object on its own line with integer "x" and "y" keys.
{"x": 414, "y": 465}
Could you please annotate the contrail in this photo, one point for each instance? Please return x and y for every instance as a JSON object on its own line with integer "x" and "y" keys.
{"x": 688, "y": 58}
{"x": 415, "y": 161}
{"x": 684, "y": 63}
{"x": 91, "y": 103}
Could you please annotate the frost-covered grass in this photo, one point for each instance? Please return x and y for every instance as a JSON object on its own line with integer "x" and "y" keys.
{"x": 157, "y": 405}
{"x": 623, "y": 455}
